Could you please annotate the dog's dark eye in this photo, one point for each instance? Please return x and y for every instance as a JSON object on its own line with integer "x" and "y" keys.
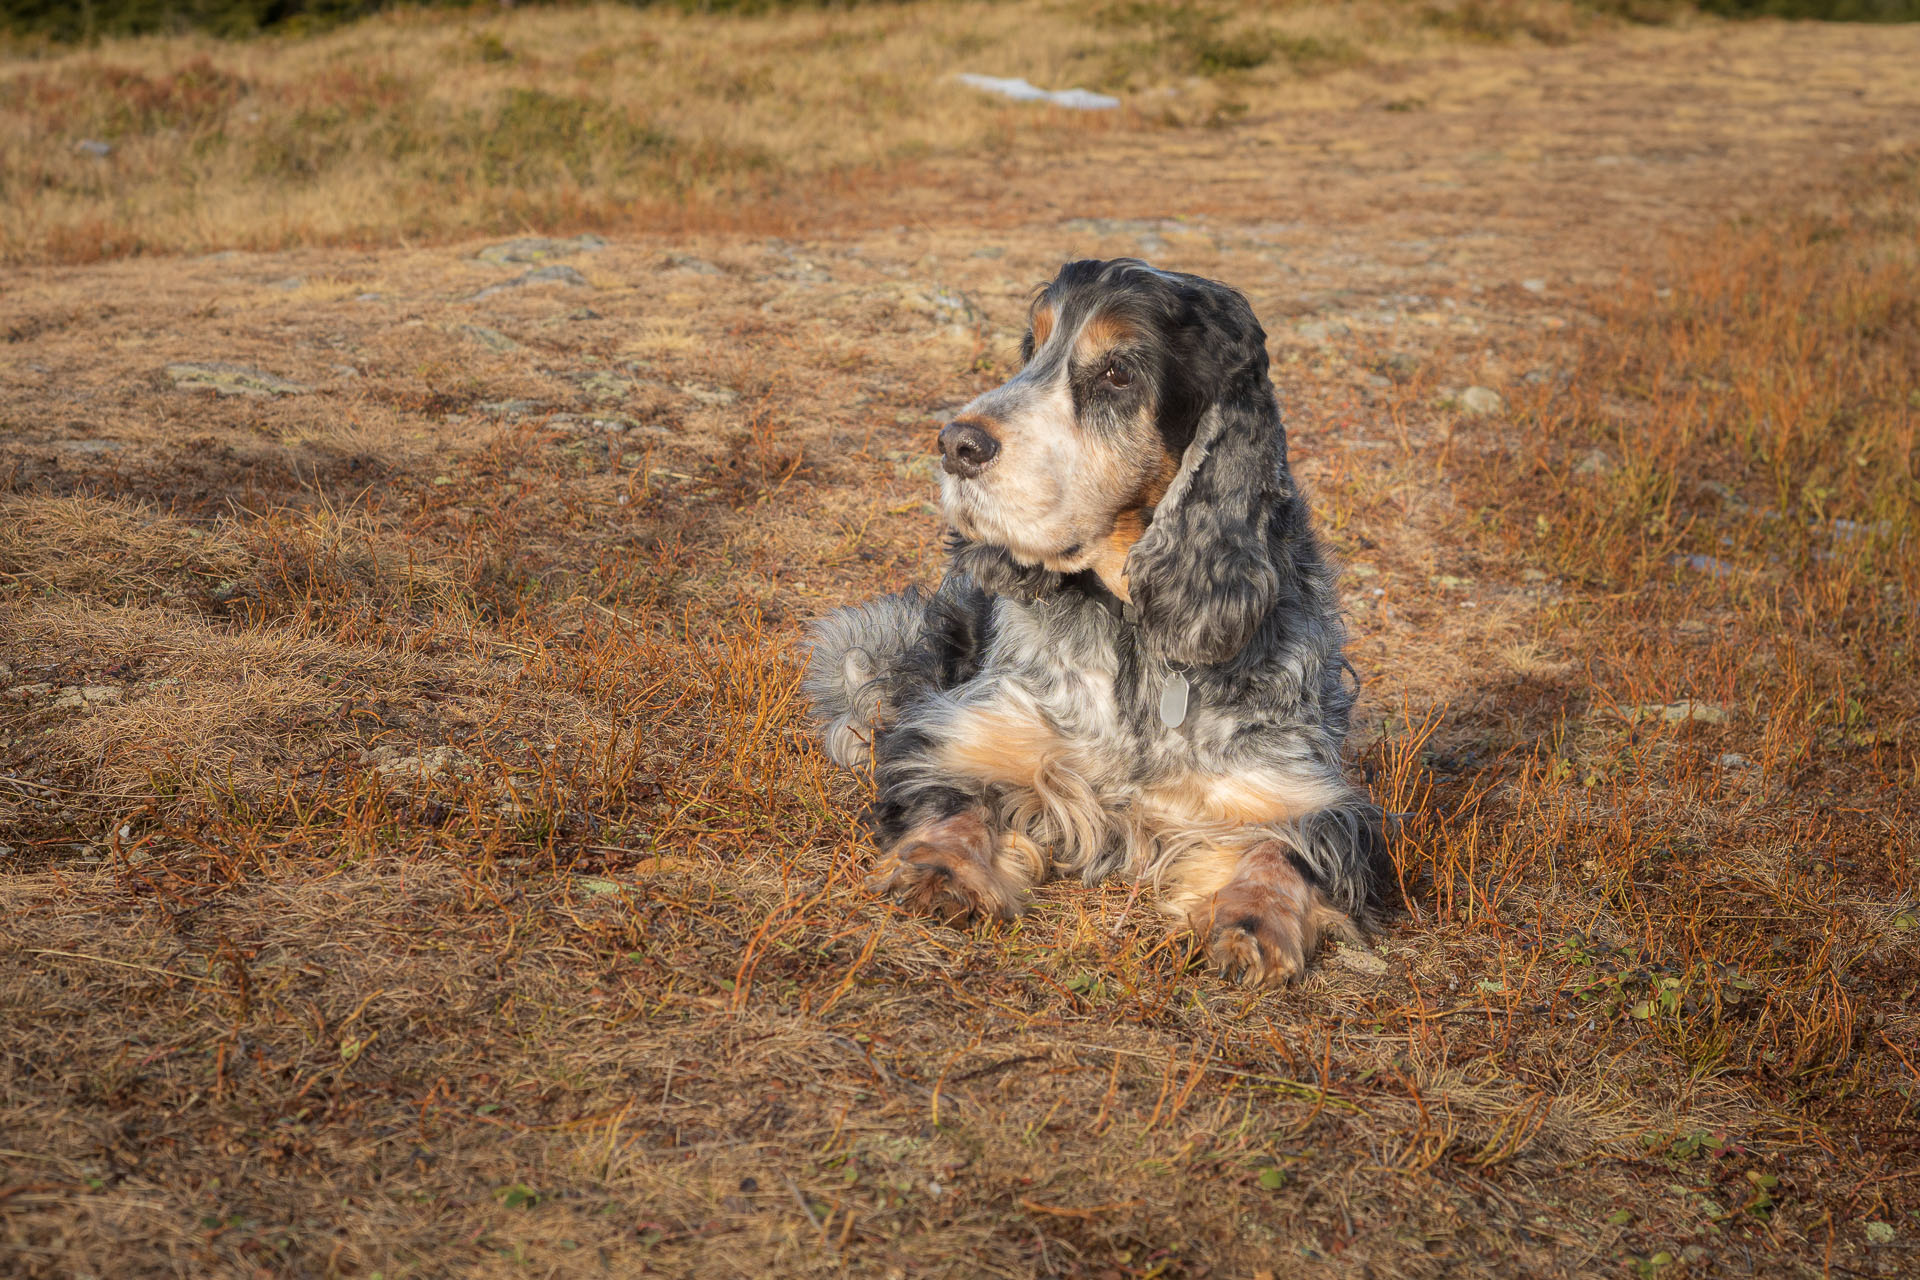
{"x": 1118, "y": 375}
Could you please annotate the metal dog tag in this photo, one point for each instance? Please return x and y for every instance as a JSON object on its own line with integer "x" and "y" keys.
{"x": 1173, "y": 701}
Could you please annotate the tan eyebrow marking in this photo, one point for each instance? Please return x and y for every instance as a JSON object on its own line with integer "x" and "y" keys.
{"x": 1100, "y": 332}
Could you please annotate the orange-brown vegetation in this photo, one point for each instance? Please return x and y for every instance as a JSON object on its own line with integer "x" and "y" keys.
{"x": 416, "y": 861}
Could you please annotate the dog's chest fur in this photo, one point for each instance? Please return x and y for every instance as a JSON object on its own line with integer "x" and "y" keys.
{"x": 1064, "y": 716}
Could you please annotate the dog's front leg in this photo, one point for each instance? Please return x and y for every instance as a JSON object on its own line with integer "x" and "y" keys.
{"x": 946, "y": 854}
{"x": 1259, "y": 916}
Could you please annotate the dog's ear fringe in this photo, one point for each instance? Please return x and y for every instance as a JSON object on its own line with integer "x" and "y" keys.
{"x": 1205, "y": 575}
{"x": 995, "y": 572}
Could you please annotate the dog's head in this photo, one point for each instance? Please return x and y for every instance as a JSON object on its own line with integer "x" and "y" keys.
{"x": 1139, "y": 440}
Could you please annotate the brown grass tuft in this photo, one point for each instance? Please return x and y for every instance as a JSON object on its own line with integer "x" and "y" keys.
{"x": 415, "y": 856}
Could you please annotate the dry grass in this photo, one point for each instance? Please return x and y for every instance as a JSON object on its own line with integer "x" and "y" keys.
{"x": 415, "y": 861}
{"x": 429, "y": 124}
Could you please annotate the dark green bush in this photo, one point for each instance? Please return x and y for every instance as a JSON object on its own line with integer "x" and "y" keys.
{"x": 68, "y": 20}
{"x": 87, "y": 19}
{"x": 1825, "y": 10}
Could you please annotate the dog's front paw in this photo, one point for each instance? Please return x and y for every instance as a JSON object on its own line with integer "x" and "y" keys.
{"x": 946, "y": 870}
{"x": 1264, "y": 926}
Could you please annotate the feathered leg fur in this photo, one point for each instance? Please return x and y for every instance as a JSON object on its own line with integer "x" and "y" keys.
{"x": 857, "y": 653}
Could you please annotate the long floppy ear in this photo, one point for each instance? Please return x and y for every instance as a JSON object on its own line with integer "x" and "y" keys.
{"x": 994, "y": 571}
{"x": 1205, "y": 574}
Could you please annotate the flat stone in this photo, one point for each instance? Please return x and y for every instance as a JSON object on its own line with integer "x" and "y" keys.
{"x": 226, "y": 379}
{"x": 92, "y": 695}
{"x": 612, "y": 423}
{"x": 1481, "y": 401}
{"x": 559, "y": 273}
{"x": 491, "y": 339}
{"x": 1712, "y": 566}
{"x": 533, "y": 249}
{"x": 1678, "y": 712}
{"x": 601, "y": 385}
{"x": 1360, "y": 960}
{"x": 951, "y": 306}
{"x": 691, "y": 264}
{"x": 388, "y": 762}
{"x": 705, "y": 394}
{"x": 511, "y": 408}
{"x": 1322, "y": 332}
{"x": 1401, "y": 365}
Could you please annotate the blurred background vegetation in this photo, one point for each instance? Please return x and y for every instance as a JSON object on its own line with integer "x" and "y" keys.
{"x": 131, "y": 126}
{"x": 64, "y": 20}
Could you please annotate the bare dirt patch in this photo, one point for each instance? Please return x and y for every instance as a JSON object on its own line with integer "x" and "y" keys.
{"x": 416, "y": 861}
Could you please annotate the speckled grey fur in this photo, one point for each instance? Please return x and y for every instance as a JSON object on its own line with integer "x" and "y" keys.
{"x": 1229, "y": 585}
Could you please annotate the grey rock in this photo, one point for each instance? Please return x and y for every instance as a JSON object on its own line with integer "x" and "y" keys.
{"x": 559, "y": 273}
{"x": 288, "y": 285}
{"x": 1594, "y": 462}
{"x": 1676, "y": 712}
{"x": 222, "y": 378}
{"x": 705, "y": 394}
{"x": 511, "y": 408}
{"x": 491, "y": 339}
{"x": 1712, "y": 566}
{"x": 952, "y": 307}
{"x": 1481, "y": 401}
{"x": 1849, "y": 530}
{"x": 1322, "y": 332}
{"x": 601, "y": 385}
{"x": 93, "y": 147}
{"x": 689, "y": 263}
{"x": 533, "y": 249}
{"x": 611, "y": 423}
{"x": 1400, "y": 366}
{"x": 92, "y": 695}
{"x": 1360, "y": 960}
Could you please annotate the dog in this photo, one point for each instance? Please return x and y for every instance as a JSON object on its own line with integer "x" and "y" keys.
{"x": 1134, "y": 663}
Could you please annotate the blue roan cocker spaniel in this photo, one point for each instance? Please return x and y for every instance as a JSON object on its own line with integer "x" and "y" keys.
{"x": 1133, "y": 664}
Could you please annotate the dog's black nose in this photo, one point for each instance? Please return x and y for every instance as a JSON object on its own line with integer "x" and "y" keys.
{"x": 966, "y": 447}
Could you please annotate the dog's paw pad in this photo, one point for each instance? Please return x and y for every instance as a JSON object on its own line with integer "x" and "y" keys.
{"x": 947, "y": 872}
{"x": 1257, "y": 949}
{"x": 1265, "y": 932}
